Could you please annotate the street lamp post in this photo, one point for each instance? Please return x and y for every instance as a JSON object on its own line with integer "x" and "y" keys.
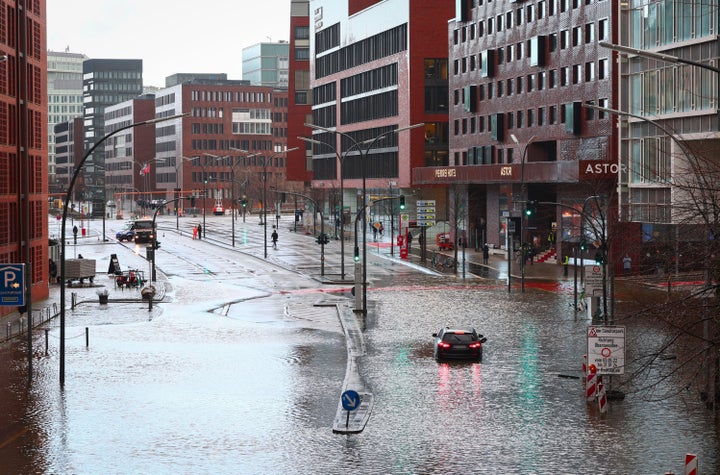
{"x": 265, "y": 164}
{"x": 232, "y": 186}
{"x": 68, "y": 194}
{"x": 340, "y": 159}
{"x": 363, "y": 157}
{"x": 178, "y": 188}
{"x": 523, "y": 200}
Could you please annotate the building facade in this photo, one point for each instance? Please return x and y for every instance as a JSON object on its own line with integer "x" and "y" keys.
{"x": 299, "y": 160}
{"x": 130, "y": 155}
{"x": 68, "y": 138}
{"x": 670, "y": 134}
{"x": 266, "y": 64}
{"x": 23, "y": 144}
{"x": 65, "y": 100}
{"x": 519, "y": 134}
{"x": 106, "y": 82}
{"x": 230, "y": 145}
{"x": 375, "y": 67}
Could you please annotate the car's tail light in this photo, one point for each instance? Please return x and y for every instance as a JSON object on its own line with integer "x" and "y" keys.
{"x": 443, "y": 344}
{"x": 475, "y": 344}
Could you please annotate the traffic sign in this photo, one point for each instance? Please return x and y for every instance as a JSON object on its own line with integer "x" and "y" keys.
{"x": 593, "y": 277}
{"x": 12, "y": 287}
{"x": 606, "y": 349}
{"x": 350, "y": 400}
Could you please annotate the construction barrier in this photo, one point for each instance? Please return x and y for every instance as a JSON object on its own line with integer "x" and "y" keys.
{"x": 591, "y": 387}
{"x": 691, "y": 466}
{"x": 601, "y": 396}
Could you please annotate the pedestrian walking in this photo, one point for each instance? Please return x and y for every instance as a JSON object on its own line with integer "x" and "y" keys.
{"x": 566, "y": 264}
{"x": 486, "y": 254}
{"x": 627, "y": 264}
{"x": 199, "y": 229}
{"x": 409, "y": 240}
{"x": 375, "y": 232}
{"x": 274, "y": 237}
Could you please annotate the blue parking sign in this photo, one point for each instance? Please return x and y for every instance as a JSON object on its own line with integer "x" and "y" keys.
{"x": 12, "y": 285}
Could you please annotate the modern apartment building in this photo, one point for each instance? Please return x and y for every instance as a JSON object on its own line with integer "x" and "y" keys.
{"x": 65, "y": 100}
{"x": 233, "y": 138}
{"x": 23, "y": 144}
{"x": 266, "y": 64}
{"x": 106, "y": 82}
{"x": 670, "y": 132}
{"x": 520, "y": 73}
{"x": 299, "y": 161}
{"x": 375, "y": 67}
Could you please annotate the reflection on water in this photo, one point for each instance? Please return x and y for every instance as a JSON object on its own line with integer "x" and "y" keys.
{"x": 251, "y": 393}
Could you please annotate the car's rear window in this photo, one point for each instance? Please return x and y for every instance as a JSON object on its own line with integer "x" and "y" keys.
{"x": 458, "y": 337}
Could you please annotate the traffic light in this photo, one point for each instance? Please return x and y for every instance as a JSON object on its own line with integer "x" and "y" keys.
{"x": 599, "y": 258}
{"x": 356, "y": 257}
{"x": 530, "y": 208}
{"x": 582, "y": 245}
{"x": 402, "y": 202}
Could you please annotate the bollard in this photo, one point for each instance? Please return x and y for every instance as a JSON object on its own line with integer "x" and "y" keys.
{"x": 87, "y": 337}
{"x": 47, "y": 341}
{"x": 601, "y": 396}
{"x": 691, "y": 465}
{"x": 8, "y": 330}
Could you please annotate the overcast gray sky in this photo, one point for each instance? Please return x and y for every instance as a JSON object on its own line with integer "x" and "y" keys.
{"x": 170, "y": 36}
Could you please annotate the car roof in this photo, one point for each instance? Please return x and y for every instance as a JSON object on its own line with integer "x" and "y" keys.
{"x": 459, "y": 329}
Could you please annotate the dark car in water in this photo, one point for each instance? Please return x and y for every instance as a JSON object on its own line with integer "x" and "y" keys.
{"x": 461, "y": 343}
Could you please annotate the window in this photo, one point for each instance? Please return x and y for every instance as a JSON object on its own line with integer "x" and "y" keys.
{"x": 576, "y": 35}
{"x": 530, "y": 117}
{"x": 552, "y": 78}
{"x": 553, "y": 115}
{"x": 564, "y": 39}
{"x": 552, "y": 42}
{"x": 589, "y": 33}
{"x": 519, "y": 88}
{"x": 603, "y": 68}
{"x": 302, "y": 32}
{"x": 530, "y": 13}
{"x": 564, "y": 76}
{"x": 301, "y": 97}
{"x": 541, "y": 116}
{"x": 577, "y": 74}
{"x": 530, "y": 83}
{"x": 519, "y": 120}
{"x": 510, "y": 87}
{"x": 603, "y": 29}
{"x": 499, "y": 24}
{"x": 589, "y": 71}
{"x": 302, "y": 54}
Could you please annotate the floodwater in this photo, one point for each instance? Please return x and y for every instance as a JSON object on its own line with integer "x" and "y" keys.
{"x": 226, "y": 380}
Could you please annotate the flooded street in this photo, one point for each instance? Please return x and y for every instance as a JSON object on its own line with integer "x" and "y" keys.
{"x": 239, "y": 371}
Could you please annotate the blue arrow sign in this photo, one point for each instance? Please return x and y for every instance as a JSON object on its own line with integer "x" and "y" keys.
{"x": 350, "y": 400}
{"x": 12, "y": 285}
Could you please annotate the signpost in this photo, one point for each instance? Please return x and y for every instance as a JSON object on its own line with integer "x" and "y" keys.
{"x": 12, "y": 288}
{"x": 606, "y": 349}
{"x": 425, "y": 213}
{"x": 593, "y": 278}
{"x": 350, "y": 402}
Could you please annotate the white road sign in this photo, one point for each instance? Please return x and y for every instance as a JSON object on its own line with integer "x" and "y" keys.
{"x": 606, "y": 349}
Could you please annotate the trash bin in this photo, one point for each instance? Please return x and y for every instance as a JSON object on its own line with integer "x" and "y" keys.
{"x": 103, "y": 296}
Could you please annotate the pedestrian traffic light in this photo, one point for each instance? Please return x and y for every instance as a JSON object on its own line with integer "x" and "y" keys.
{"x": 357, "y": 254}
{"x": 323, "y": 238}
{"x": 402, "y": 202}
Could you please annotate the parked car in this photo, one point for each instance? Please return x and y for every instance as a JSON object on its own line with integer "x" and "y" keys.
{"x": 125, "y": 235}
{"x": 458, "y": 343}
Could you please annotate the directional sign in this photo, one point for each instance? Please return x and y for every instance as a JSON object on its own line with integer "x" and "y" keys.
{"x": 606, "y": 349}
{"x": 12, "y": 287}
{"x": 425, "y": 212}
{"x": 350, "y": 400}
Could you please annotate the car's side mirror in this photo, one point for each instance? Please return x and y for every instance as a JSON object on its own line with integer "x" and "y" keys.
{"x": 483, "y": 340}
{"x": 435, "y": 335}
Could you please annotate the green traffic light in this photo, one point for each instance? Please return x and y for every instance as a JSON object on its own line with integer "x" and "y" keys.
{"x": 402, "y": 202}
{"x": 357, "y": 254}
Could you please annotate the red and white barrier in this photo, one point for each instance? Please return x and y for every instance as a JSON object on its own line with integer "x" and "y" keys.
{"x": 691, "y": 466}
{"x": 591, "y": 386}
{"x": 584, "y": 372}
{"x": 601, "y": 396}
